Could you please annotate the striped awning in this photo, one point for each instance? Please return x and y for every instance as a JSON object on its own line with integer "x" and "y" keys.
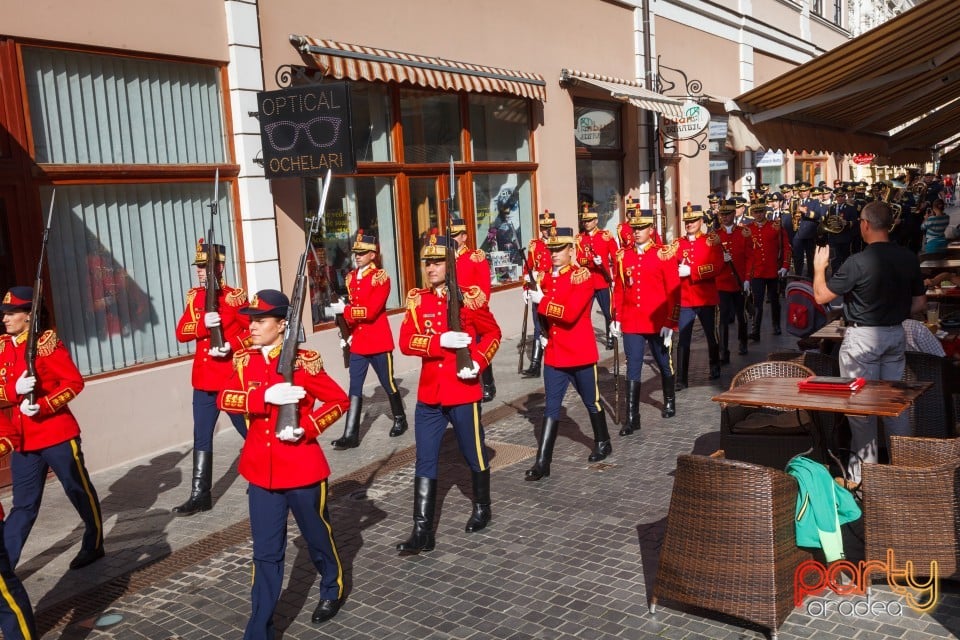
{"x": 355, "y": 62}
{"x": 627, "y": 91}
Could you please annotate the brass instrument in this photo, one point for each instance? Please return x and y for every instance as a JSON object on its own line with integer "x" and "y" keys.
{"x": 919, "y": 190}
{"x": 832, "y": 222}
{"x": 795, "y": 212}
{"x": 891, "y": 196}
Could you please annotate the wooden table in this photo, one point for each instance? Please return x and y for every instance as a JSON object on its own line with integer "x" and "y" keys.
{"x": 942, "y": 264}
{"x": 830, "y": 331}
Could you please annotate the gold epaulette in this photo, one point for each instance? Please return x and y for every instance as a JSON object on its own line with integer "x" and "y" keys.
{"x": 4, "y": 340}
{"x": 606, "y": 235}
{"x": 192, "y": 295}
{"x": 532, "y": 244}
{"x": 668, "y": 251}
{"x": 380, "y": 277}
{"x": 478, "y": 256}
{"x": 47, "y": 343}
{"x": 348, "y": 280}
{"x": 413, "y": 298}
{"x": 474, "y": 298}
{"x": 713, "y": 239}
{"x": 241, "y": 359}
{"x": 310, "y": 360}
{"x": 236, "y": 297}
{"x": 580, "y": 276}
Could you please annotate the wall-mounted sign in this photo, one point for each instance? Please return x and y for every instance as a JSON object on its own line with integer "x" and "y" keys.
{"x": 695, "y": 119}
{"x": 718, "y": 129}
{"x": 718, "y": 165}
{"x": 769, "y": 158}
{"x": 590, "y": 126}
{"x": 863, "y": 158}
{"x": 306, "y": 130}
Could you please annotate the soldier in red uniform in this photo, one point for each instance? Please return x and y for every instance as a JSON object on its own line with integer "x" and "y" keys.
{"x": 50, "y": 435}
{"x": 212, "y": 367}
{"x": 473, "y": 270}
{"x": 537, "y": 262}
{"x": 646, "y": 309}
{"x": 564, "y": 297}
{"x": 371, "y": 339}
{"x": 733, "y": 281}
{"x": 16, "y": 613}
{"x": 596, "y": 251}
{"x": 771, "y": 258}
{"x": 446, "y": 395}
{"x": 287, "y": 470}
{"x": 700, "y": 256}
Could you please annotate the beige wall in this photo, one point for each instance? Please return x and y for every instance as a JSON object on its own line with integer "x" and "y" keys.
{"x": 188, "y": 28}
{"x": 701, "y": 55}
{"x": 768, "y": 67}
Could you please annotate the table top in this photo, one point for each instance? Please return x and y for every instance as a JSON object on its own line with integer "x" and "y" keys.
{"x": 941, "y": 264}
{"x": 830, "y": 331}
{"x": 876, "y": 398}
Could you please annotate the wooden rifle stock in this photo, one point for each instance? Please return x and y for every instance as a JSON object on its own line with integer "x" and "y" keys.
{"x": 288, "y": 415}
{"x": 454, "y": 295}
{"x": 344, "y": 330}
{"x": 36, "y": 306}
{"x": 213, "y": 282}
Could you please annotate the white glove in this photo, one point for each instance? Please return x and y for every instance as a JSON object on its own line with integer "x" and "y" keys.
{"x": 667, "y": 334}
{"x": 543, "y": 341}
{"x": 221, "y": 352}
{"x": 335, "y": 308}
{"x": 25, "y": 384}
{"x": 28, "y": 409}
{"x": 454, "y": 339}
{"x": 615, "y": 329}
{"x": 536, "y": 296}
{"x": 727, "y": 256}
{"x": 746, "y": 286}
{"x": 597, "y": 260}
{"x": 526, "y": 297}
{"x": 211, "y": 319}
{"x": 284, "y": 393}
{"x": 290, "y": 433}
{"x": 469, "y": 373}
{"x": 684, "y": 270}
{"x": 782, "y": 272}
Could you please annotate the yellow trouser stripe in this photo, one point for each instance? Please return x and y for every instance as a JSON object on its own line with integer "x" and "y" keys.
{"x": 333, "y": 545}
{"x": 94, "y": 507}
{"x": 596, "y": 389}
{"x": 12, "y": 603}
{"x": 393, "y": 383}
{"x": 476, "y": 436}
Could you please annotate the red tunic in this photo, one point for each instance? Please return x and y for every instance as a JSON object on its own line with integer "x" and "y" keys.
{"x": 58, "y": 382}
{"x": 473, "y": 270}
{"x": 538, "y": 259}
{"x": 705, "y": 257}
{"x": 366, "y": 311}
{"x": 265, "y": 460}
{"x": 646, "y": 290}
{"x": 598, "y": 243}
{"x": 209, "y": 373}
{"x": 420, "y": 331}
{"x": 738, "y": 244}
{"x": 567, "y": 299}
{"x": 771, "y": 249}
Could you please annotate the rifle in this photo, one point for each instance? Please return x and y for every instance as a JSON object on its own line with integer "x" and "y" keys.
{"x": 526, "y": 310}
{"x": 616, "y": 381}
{"x": 33, "y": 330}
{"x": 213, "y": 283}
{"x": 454, "y": 295}
{"x": 343, "y": 329}
{"x": 289, "y": 414}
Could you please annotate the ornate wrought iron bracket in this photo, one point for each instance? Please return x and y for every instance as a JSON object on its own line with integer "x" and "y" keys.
{"x": 685, "y": 89}
{"x": 288, "y": 75}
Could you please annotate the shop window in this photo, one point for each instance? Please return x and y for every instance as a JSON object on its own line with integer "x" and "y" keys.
{"x": 810, "y": 170}
{"x": 838, "y": 12}
{"x": 370, "y": 109}
{"x": 599, "y": 152}
{"x": 504, "y": 206}
{"x": 120, "y": 261}
{"x": 431, "y": 126}
{"x": 598, "y": 184}
{"x": 499, "y": 129}
{"x": 722, "y": 160}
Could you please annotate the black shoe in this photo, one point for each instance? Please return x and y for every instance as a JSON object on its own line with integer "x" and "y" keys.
{"x": 86, "y": 557}
{"x": 399, "y": 426}
{"x": 680, "y": 385}
{"x": 714, "y": 371}
{"x": 600, "y": 451}
{"x": 669, "y": 408}
{"x": 776, "y": 330}
{"x": 479, "y": 519}
{"x": 399, "y": 417}
{"x": 345, "y": 443}
{"x": 743, "y": 349}
{"x": 325, "y": 610}
{"x": 489, "y": 393}
{"x": 537, "y": 472}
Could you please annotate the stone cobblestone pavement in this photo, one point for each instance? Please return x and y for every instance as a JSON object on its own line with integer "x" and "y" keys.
{"x": 572, "y": 556}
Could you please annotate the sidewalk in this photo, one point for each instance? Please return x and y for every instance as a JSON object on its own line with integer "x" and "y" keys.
{"x": 572, "y": 556}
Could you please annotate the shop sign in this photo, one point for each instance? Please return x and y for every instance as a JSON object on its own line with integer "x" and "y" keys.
{"x": 695, "y": 119}
{"x": 770, "y": 158}
{"x": 863, "y": 158}
{"x": 718, "y": 129}
{"x": 718, "y": 165}
{"x": 306, "y": 130}
{"x": 590, "y": 126}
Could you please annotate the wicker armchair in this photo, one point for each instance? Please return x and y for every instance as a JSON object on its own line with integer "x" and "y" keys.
{"x": 821, "y": 364}
{"x": 765, "y": 436}
{"x": 932, "y": 415}
{"x": 911, "y": 505}
{"x": 730, "y": 543}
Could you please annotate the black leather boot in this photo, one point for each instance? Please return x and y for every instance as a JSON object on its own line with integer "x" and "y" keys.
{"x": 541, "y": 468}
{"x": 724, "y": 343}
{"x": 601, "y": 437}
{"x": 775, "y": 317}
{"x": 489, "y": 387}
{"x": 683, "y": 363}
{"x": 481, "y": 515}
{"x": 424, "y": 502}
{"x": 669, "y": 396}
{"x": 713, "y": 354}
{"x": 199, "y": 499}
{"x": 633, "y": 408}
{"x": 399, "y": 417}
{"x": 533, "y": 371}
{"x": 351, "y": 430}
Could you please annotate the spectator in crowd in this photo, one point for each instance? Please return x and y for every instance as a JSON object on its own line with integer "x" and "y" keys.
{"x": 934, "y": 226}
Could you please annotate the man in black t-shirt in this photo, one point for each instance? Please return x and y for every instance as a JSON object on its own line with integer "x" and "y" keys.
{"x": 881, "y": 287}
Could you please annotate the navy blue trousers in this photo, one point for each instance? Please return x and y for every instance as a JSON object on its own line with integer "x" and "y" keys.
{"x": 16, "y": 614}
{"x": 29, "y": 472}
{"x": 557, "y": 379}
{"x": 708, "y": 320}
{"x": 205, "y": 414}
{"x": 537, "y": 330}
{"x": 382, "y": 364}
{"x": 602, "y": 296}
{"x": 429, "y": 423}
{"x": 268, "y": 526}
{"x": 634, "y": 344}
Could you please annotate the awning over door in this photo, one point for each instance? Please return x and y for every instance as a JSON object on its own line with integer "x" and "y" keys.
{"x": 627, "y": 91}
{"x": 355, "y": 62}
{"x": 858, "y": 93}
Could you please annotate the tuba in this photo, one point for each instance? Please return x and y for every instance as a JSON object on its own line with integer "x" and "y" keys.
{"x": 891, "y": 196}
